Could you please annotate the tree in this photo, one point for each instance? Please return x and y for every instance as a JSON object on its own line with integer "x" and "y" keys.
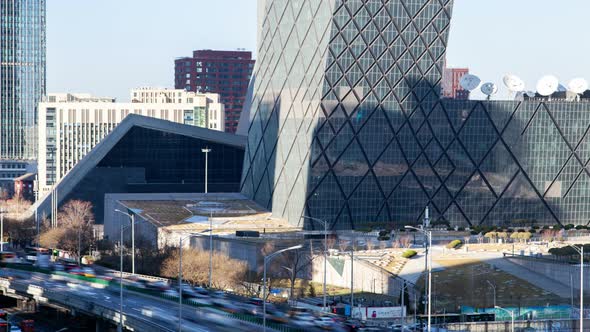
{"x": 297, "y": 263}
{"x": 226, "y": 273}
{"x": 74, "y": 228}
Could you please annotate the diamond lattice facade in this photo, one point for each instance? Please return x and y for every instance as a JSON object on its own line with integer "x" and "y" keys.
{"x": 347, "y": 125}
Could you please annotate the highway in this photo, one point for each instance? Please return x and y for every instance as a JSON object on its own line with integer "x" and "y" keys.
{"x": 138, "y": 309}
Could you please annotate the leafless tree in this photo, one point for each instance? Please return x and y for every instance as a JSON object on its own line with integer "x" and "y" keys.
{"x": 405, "y": 241}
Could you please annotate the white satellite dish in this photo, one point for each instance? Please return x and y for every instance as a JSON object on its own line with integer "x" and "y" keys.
{"x": 578, "y": 85}
{"x": 561, "y": 88}
{"x": 469, "y": 82}
{"x": 513, "y": 83}
{"x": 489, "y": 89}
{"x": 547, "y": 85}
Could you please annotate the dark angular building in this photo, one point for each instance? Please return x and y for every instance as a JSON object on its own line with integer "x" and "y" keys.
{"x": 347, "y": 124}
{"x": 225, "y": 72}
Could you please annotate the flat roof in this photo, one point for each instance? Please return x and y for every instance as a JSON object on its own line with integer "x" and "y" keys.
{"x": 192, "y": 212}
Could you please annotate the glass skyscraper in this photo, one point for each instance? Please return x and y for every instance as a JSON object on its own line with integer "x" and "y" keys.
{"x": 22, "y": 76}
{"x": 347, "y": 125}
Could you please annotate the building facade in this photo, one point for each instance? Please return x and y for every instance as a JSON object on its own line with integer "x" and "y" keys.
{"x": 347, "y": 124}
{"x": 225, "y": 72}
{"x": 22, "y": 77}
{"x": 72, "y": 124}
{"x": 451, "y": 87}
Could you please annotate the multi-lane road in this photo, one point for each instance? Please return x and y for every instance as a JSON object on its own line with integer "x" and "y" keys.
{"x": 160, "y": 314}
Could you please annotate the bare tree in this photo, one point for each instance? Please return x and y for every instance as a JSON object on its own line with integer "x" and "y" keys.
{"x": 369, "y": 243}
{"x": 405, "y": 241}
{"x": 227, "y": 272}
{"x": 75, "y": 223}
{"x": 297, "y": 263}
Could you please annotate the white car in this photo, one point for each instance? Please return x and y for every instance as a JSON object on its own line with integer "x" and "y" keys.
{"x": 14, "y": 328}
{"x": 324, "y": 322}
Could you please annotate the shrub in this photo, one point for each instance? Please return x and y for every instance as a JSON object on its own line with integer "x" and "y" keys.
{"x": 454, "y": 244}
{"x": 557, "y": 227}
{"x": 535, "y": 227}
{"x": 569, "y": 226}
{"x": 521, "y": 230}
{"x": 509, "y": 230}
{"x": 409, "y": 253}
{"x": 402, "y": 229}
{"x": 474, "y": 232}
{"x": 383, "y": 233}
{"x": 491, "y": 235}
{"x": 450, "y": 229}
{"x": 578, "y": 227}
{"x": 545, "y": 227}
{"x": 384, "y": 238}
{"x": 461, "y": 229}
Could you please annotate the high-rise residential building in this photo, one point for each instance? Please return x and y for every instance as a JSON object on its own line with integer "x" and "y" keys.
{"x": 22, "y": 78}
{"x": 347, "y": 124}
{"x": 451, "y": 87}
{"x": 225, "y": 72}
{"x": 72, "y": 124}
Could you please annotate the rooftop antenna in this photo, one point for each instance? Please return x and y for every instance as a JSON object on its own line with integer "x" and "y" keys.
{"x": 547, "y": 85}
{"x": 514, "y": 84}
{"x": 578, "y": 86}
{"x": 469, "y": 82}
{"x": 489, "y": 89}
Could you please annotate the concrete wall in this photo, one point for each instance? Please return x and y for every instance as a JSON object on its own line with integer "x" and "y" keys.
{"x": 560, "y": 272}
{"x": 367, "y": 277}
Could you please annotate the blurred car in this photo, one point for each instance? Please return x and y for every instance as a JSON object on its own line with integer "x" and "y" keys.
{"x": 200, "y": 301}
{"x": 171, "y": 293}
{"x": 303, "y": 319}
{"x": 202, "y": 291}
{"x": 218, "y": 294}
{"x": 14, "y": 328}
{"x": 85, "y": 272}
{"x": 256, "y": 301}
{"x": 157, "y": 285}
{"x": 353, "y": 325}
{"x": 325, "y": 323}
{"x": 226, "y": 305}
{"x": 277, "y": 316}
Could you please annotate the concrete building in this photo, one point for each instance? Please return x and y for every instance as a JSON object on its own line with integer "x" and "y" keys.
{"x": 70, "y": 125}
{"x": 24, "y": 186}
{"x": 225, "y": 72}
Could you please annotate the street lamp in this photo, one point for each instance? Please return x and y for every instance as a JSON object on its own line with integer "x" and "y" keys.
{"x": 325, "y": 222}
{"x": 428, "y": 234}
{"x": 180, "y": 272}
{"x": 511, "y": 312}
{"x": 494, "y": 289}
{"x": 132, "y": 219}
{"x": 580, "y": 250}
{"x": 206, "y": 152}
{"x": 267, "y": 259}
{"x": 2, "y": 211}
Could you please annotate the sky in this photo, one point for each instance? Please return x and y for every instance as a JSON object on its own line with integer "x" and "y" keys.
{"x": 107, "y": 47}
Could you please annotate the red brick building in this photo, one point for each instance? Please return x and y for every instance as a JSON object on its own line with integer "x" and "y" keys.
{"x": 450, "y": 83}
{"x": 225, "y": 72}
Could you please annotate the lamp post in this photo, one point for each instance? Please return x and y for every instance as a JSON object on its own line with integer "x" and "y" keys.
{"x": 206, "y": 152}
{"x": 267, "y": 259}
{"x": 494, "y": 289}
{"x": 428, "y": 234}
{"x": 580, "y": 250}
{"x": 180, "y": 273}
{"x": 511, "y": 312}
{"x": 132, "y": 219}
{"x": 2, "y": 211}
{"x": 325, "y": 252}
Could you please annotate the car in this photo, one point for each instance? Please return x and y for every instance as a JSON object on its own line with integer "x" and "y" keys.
{"x": 277, "y": 316}
{"x": 14, "y": 328}
{"x": 157, "y": 285}
{"x": 171, "y": 293}
{"x": 202, "y": 291}
{"x": 303, "y": 319}
{"x": 218, "y": 294}
{"x": 256, "y": 301}
{"x": 84, "y": 272}
{"x": 353, "y": 325}
{"x": 325, "y": 323}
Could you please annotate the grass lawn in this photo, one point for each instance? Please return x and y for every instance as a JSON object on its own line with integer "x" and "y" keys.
{"x": 464, "y": 282}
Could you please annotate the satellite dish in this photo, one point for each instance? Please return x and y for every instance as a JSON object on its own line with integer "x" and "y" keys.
{"x": 547, "y": 85}
{"x": 578, "y": 85}
{"x": 561, "y": 88}
{"x": 513, "y": 83}
{"x": 531, "y": 94}
{"x": 489, "y": 89}
{"x": 469, "y": 82}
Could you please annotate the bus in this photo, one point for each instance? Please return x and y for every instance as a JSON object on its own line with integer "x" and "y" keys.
{"x": 458, "y": 318}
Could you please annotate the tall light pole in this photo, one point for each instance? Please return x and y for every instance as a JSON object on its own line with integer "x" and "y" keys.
{"x": 267, "y": 259}
{"x": 494, "y": 289}
{"x": 132, "y": 219}
{"x": 325, "y": 252}
{"x": 580, "y": 250}
{"x": 428, "y": 234}
{"x": 2, "y": 211}
{"x": 180, "y": 274}
{"x": 511, "y": 312}
{"x": 206, "y": 152}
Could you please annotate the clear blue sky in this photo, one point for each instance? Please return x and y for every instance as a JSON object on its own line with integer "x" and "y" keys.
{"x": 107, "y": 47}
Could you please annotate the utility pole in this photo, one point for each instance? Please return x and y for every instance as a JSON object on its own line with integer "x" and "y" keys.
{"x": 206, "y": 152}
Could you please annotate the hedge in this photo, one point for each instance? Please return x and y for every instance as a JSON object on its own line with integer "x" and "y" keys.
{"x": 409, "y": 253}
{"x": 454, "y": 244}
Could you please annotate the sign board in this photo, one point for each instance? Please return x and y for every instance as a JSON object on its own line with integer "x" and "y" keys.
{"x": 366, "y": 313}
